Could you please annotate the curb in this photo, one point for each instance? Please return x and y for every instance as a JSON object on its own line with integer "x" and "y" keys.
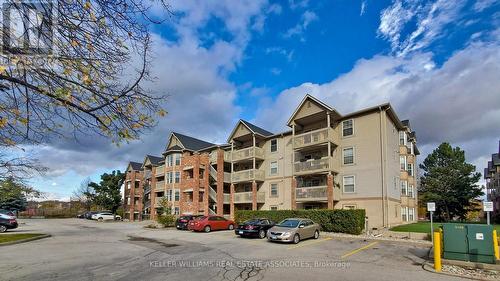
{"x": 405, "y": 241}
{"x": 25, "y": 240}
{"x": 430, "y": 269}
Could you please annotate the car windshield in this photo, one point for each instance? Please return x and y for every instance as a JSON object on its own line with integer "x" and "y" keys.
{"x": 4, "y": 216}
{"x": 252, "y": 221}
{"x": 200, "y": 218}
{"x": 289, "y": 223}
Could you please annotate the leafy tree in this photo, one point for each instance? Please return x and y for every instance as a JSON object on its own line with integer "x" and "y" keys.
{"x": 107, "y": 192}
{"x": 449, "y": 181}
{"x": 13, "y": 195}
{"x": 87, "y": 74}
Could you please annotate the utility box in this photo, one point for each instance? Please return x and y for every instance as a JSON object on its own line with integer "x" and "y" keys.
{"x": 468, "y": 242}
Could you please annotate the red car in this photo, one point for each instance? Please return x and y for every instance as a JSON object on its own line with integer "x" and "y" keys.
{"x": 209, "y": 223}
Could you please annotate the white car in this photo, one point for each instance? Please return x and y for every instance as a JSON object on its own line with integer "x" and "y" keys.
{"x": 105, "y": 216}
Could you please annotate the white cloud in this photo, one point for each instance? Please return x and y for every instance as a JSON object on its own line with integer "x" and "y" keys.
{"x": 363, "y": 8}
{"x": 305, "y": 20}
{"x": 298, "y": 4}
{"x": 430, "y": 19}
{"x": 457, "y": 102}
{"x": 201, "y": 99}
{"x": 282, "y": 51}
{"x": 481, "y": 5}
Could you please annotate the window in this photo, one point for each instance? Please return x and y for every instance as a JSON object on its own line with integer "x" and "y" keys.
{"x": 128, "y": 200}
{"x": 274, "y": 145}
{"x": 348, "y": 128}
{"x": 348, "y": 183}
{"x": 402, "y": 138}
{"x": 402, "y": 162}
{"x": 274, "y": 167}
{"x": 176, "y": 210}
{"x": 410, "y": 169}
{"x": 169, "y": 195}
{"x": 273, "y": 208}
{"x": 169, "y": 160}
{"x": 274, "y": 190}
{"x": 169, "y": 177}
{"x": 128, "y": 185}
{"x": 177, "y": 159}
{"x": 404, "y": 188}
{"x": 177, "y": 195}
{"x": 177, "y": 177}
{"x": 349, "y": 207}
{"x": 404, "y": 213}
{"x": 411, "y": 214}
{"x": 410, "y": 191}
{"x": 348, "y": 155}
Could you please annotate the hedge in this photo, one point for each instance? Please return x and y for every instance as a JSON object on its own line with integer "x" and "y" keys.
{"x": 345, "y": 221}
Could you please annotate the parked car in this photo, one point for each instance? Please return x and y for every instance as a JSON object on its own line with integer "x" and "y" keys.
{"x": 182, "y": 222}
{"x": 293, "y": 230}
{"x": 7, "y": 212}
{"x": 254, "y": 227}
{"x": 7, "y": 222}
{"x": 80, "y": 216}
{"x": 105, "y": 216}
{"x": 209, "y": 223}
{"x": 88, "y": 215}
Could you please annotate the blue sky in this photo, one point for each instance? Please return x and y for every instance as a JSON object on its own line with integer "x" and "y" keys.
{"x": 437, "y": 62}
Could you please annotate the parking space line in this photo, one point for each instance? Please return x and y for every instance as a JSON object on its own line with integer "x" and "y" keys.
{"x": 307, "y": 244}
{"x": 358, "y": 250}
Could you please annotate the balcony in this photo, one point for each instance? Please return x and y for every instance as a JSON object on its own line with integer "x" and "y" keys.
{"x": 246, "y": 197}
{"x": 147, "y": 174}
{"x": 248, "y": 153}
{"x": 315, "y": 137}
{"x": 247, "y": 175}
{"x": 227, "y": 198}
{"x": 160, "y": 186}
{"x": 316, "y": 193}
{"x": 160, "y": 170}
{"x": 313, "y": 166}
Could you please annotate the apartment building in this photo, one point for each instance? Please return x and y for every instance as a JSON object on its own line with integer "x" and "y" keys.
{"x": 365, "y": 159}
{"x": 492, "y": 177}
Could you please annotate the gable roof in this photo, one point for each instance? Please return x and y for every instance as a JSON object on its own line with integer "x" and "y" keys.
{"x": 136, "y": 166}
{"x": 154, "y": 160}
{"x": 315, "y": 100}
{"x": 255, "y": 129}
{"x": 251, "y": 127}
{"x": 191, "y": 143}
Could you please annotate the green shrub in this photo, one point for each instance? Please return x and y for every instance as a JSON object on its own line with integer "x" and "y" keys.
{"x": 166, "y": 220}
{"x": 345, "y": 221}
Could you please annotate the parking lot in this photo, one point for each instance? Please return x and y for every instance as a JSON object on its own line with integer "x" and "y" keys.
{"x": 89, "y": 250}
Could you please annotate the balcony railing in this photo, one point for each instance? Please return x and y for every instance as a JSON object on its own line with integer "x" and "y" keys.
{"x": 160, "y": 170}
{"x": 147, "y": 174}
{"x": 315, "y": 137}
{"x": 247, "y": 153}
{"x": 316, "y": 193}
{"x": 246, "y": 197}
{"x": 160, "y": 186}
{"x": 315, "y": 165}
{"x": 247, "y": 175}
{"x": 227, "y": 198}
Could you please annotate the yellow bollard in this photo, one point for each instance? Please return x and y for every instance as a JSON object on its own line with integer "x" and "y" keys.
{"x": 495, "y": 244}
{"x": 437, "y": 251}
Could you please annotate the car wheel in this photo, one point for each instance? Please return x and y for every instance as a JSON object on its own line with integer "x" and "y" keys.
{"x": 262, "y": 234}
{"x": 231, "y": 227}
{"x": 3, "y": 228}
{"x": 296, "y": 239}
{"x": 100, "y": 219}
{"x": 207, "y": 228}
{"x": 316, "y": 234}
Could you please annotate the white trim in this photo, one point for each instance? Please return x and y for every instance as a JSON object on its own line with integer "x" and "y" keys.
{"x": 271, "y": 168}
{"x": 353, "y": 155}
{"x": 343, "y": 121}
{"x": 354, "y": 183}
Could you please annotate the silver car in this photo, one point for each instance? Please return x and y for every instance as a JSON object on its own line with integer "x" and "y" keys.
{"x": 293, "y": 230}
